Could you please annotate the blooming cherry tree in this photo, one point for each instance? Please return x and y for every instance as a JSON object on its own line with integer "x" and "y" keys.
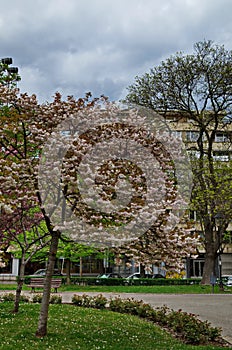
{"x": 99, "y": 174}
{"x": 25, "y": 125}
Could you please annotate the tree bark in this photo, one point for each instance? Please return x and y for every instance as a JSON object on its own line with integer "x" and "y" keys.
{"x": 142, "y": 270}
{"x": 81, "y": 265}
{"x": 19, "y": 285}
{"x": 43, "y": 318}
{"x": 213, "y": 242}
{"x": 209, "y": 266}
{"x": 68, "y": 271}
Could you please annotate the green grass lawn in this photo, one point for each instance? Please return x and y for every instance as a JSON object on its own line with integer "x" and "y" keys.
{"x": 195, "y": 289}
{"x": 182, "y": 289}
{"x": 71, "y": 327}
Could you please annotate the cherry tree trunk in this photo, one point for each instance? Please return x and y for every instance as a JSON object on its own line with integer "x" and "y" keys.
{"x": 20, "y": 282}
{"x": 43, "y": 318}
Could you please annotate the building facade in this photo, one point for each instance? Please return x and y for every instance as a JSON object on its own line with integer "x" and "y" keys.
{"x": 184, "y": 129}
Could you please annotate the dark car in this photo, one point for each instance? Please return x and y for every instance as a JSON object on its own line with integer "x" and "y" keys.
{"x": 158, "y": 275}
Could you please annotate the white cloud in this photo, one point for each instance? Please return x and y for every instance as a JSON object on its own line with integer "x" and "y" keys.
{"x": 99, "y": 46}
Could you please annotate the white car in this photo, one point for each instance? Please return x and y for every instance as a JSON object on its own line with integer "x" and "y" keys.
{"x": 148, "y": 275}
{"x": 228, "y": 283}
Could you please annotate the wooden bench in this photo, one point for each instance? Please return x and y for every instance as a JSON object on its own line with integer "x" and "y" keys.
{"x": 39, "y": 283}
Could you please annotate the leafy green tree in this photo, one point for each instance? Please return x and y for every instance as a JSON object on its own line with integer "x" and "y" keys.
{"x": 198, "y": 87}
{"x": 73, "y": 252}
{"x": 24, "y": 230}
{"x": 8, "y": 75}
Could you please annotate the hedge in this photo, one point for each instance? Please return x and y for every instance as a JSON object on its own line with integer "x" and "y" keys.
{"x": 96, "y": 281}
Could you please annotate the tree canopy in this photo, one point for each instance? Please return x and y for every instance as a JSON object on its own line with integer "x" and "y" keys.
{"x": 193, "y": 83}
{"x": 197, "y": 87}
{"x": 31, "y": 134}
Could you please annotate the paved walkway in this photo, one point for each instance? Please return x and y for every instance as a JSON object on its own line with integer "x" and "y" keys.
{"x": 216, "y": 308}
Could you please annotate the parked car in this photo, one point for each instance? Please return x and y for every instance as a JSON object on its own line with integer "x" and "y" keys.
{"x": 228, "y": 282}
{"x": 158, "y": 275}
{"x": 110, "y": 275}
{"x": 135, "y": 276}
{"x": 100, "y": 279}
{"x": 138, "y": 275}
{"x": 42, "y": 272}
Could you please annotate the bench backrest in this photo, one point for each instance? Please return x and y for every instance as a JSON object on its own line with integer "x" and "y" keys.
{"x": 37, "y": 280}
{"x": 40, "y": 281}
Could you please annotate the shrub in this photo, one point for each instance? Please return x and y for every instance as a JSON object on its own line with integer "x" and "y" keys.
{"x": 24, "y": 299}
{"x": 27, "y": 279}
{"x": 117, "y": 305}
{"x": 109, "y": 281}
{"x": 187, "y": 326}
{"x": 145, "y": 310}
{"x": 37, "y": 298}
{"x": 86, "y": 300}
{"x": 82, "y": 300}
{"x": 90, "y": 281}
{"x": 97, "y": 302}
{"x": 175, "y": 274}
{"x": 161, "y": 281}
{"x": 193, "y": 330}
{"x": 8, "y": 297}
{"x": 139, "y": 308}
{"x": 82, "y": 281}
{"x": 55, "y": 299}
{"x": 11, "y": 297}
{"x": 77, "y": 300}
{"x": 160, "y": 315}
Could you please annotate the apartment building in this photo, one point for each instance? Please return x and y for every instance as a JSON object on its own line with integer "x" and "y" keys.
{"x": 185, "y": 130}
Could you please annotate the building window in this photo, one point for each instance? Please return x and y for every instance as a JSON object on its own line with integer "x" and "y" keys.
{"x": 221, "y": 156}
{"x": 177, "y": 134}
{"x": 221, "y": 137}
{"x": 192, "y": 136}
{"x": 198, "y": 266}
{"x": 194, "y": 215}
{"x": 194, "y": 154}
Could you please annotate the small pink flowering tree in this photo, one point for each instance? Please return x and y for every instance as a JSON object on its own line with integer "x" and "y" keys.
{"x": 25, "y": 125}
{"x": 24, "y": 231}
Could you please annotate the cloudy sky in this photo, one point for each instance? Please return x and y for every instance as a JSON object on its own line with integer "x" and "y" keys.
{"x": 75, "y": 46}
